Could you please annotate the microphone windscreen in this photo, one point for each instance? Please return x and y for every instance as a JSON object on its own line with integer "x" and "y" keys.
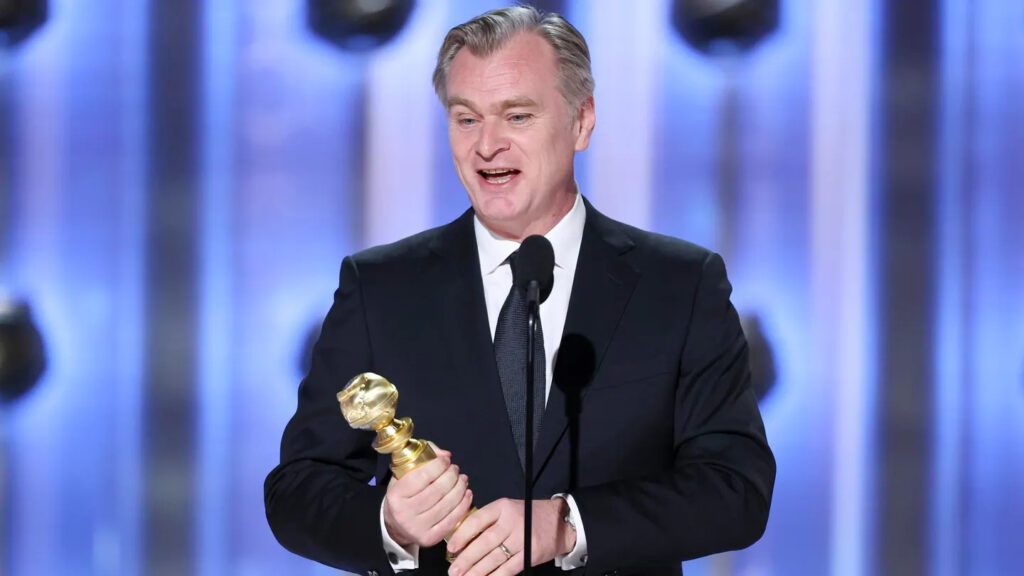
{"x": 536, "y": 261}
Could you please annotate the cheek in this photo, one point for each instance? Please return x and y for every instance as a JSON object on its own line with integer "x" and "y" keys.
{"x": 465, "y": 173}
{"x": 460, "y": 143}
{"x": 462, "y": 158}
{"x": 559, "y": 157}
{"x": 558, "y": 144}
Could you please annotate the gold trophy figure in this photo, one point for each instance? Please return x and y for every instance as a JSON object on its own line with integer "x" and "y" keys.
{"x": 368, "y": 403}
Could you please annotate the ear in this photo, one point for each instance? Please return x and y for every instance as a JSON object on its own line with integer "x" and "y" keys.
{"x": 586, "y": 117}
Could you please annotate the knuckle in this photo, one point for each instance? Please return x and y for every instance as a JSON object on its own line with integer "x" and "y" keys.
{"x": 430, "y": 496}
{"x": 426, "y": 539}
{"x": 459, "y": 490}
{"x": 493, "y": 539}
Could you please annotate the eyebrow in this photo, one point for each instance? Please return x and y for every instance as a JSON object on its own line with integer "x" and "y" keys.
{"x": 514, "y": 102}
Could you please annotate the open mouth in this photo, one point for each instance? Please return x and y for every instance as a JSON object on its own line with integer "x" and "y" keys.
{"x": 498, "y": 175}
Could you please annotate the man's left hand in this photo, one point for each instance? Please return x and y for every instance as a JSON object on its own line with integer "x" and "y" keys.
{"x": 480, "y": 539}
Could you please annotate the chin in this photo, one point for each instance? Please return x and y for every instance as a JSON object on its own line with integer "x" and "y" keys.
{"x": 499, "y": 223}
{"x": 497, "y": 209}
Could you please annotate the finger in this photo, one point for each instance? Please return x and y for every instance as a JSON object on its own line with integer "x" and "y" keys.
{"x": 448, "y": 502}
{"x": 480, "y": 547}
{"x": 419, "y": 479}
{"x": 439, "y": 451}
{"x": 476, "y": 523}
{"x": 513, "y": 566}
{"x": 447, "y": 525}
{"x": 489, "y": 563}
{"x": 433, "y": 494}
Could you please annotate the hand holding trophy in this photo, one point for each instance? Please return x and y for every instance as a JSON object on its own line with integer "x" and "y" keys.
{"x": 368, "y": 402}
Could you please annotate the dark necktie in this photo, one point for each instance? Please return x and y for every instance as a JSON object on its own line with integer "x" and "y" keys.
{"x": 510, "y": 345}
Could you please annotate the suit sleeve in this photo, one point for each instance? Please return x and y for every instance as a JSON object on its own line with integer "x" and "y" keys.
{"x": 319, "y": 502}
{"x": 717, "y": 495}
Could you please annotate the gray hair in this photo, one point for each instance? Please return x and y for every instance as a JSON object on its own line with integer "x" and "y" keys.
{"x": 489, "y": 32}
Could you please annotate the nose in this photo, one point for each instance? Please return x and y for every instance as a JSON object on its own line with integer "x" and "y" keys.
{"x": 492, "y": 141}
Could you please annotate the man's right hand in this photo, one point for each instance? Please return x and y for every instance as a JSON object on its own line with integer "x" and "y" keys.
{"x": 427, "y": 503}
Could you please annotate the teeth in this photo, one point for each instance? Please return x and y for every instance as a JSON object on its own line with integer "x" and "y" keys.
{"x": 498, "y": 175}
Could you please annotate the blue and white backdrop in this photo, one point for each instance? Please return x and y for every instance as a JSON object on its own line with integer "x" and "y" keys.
{"x": 180, "y": 180}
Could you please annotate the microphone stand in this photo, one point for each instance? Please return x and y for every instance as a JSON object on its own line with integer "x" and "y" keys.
{"x": 532, "y": 321}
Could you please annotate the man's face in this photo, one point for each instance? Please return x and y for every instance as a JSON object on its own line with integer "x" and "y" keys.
{"x": 513, "y": 136}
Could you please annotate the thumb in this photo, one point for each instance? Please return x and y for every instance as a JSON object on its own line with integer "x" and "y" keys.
{"x": 439, "y": 451}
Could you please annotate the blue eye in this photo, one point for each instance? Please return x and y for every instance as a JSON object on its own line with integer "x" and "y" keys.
{"x": 518, "y": 118}
{"x": 466, "y": 122}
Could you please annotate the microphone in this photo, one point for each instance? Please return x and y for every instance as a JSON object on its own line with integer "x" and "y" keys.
{"x": 535, "y": 273}
{"x": 535, "y": 263}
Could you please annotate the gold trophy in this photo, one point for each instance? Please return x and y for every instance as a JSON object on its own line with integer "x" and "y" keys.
{"x": 368, "y": 403}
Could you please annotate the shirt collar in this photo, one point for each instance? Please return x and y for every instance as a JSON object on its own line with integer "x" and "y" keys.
{"x": 565, "y": 239}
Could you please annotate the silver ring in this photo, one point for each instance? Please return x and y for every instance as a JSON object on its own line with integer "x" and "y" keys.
{"x": 504, "y": 550}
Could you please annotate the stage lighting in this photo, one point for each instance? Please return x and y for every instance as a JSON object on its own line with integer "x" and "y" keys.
{"x": 725, "y": 26}
{"x": 22, "y": 356}
{"x": 358, "y": 25}
{"x": 728, "y": 30}
{"x": 19, "y": 18}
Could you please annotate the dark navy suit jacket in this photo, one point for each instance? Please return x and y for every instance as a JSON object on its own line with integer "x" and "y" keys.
{"x": 651, "y": 423}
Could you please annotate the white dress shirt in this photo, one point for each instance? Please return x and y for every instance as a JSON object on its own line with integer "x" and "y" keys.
{"x": 566, "y": 238}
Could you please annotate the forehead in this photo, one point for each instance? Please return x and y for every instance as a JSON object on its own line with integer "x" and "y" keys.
{"x": 525, "y": 64}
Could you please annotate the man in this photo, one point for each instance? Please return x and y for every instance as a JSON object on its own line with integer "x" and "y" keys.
{"x": 651, "y": 449}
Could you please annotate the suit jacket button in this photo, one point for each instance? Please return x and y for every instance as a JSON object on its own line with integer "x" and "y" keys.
{"x": 371, "y": 573}
{"x": 612, "y": 573}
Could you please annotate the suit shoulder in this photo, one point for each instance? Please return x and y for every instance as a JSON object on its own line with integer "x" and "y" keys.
{"x": 676, "y": 262}
{"x": 665, "y": 249}
{"x": 677, "y": 249}
{"x": 399, "y": 253}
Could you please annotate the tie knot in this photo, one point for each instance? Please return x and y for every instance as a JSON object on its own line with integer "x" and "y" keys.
{"x": 512, "y": 261}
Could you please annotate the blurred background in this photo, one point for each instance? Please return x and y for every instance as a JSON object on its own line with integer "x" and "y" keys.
{"x": 179, "y": 181}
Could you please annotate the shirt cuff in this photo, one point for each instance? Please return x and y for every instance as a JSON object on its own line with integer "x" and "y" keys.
{"x": 577, "y": 557}
{"x": 401, "y": 559}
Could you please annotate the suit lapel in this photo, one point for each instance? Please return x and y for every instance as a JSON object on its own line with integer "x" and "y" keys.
{"x": 467, "y": 334}
{"x": 602, "y": 286}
